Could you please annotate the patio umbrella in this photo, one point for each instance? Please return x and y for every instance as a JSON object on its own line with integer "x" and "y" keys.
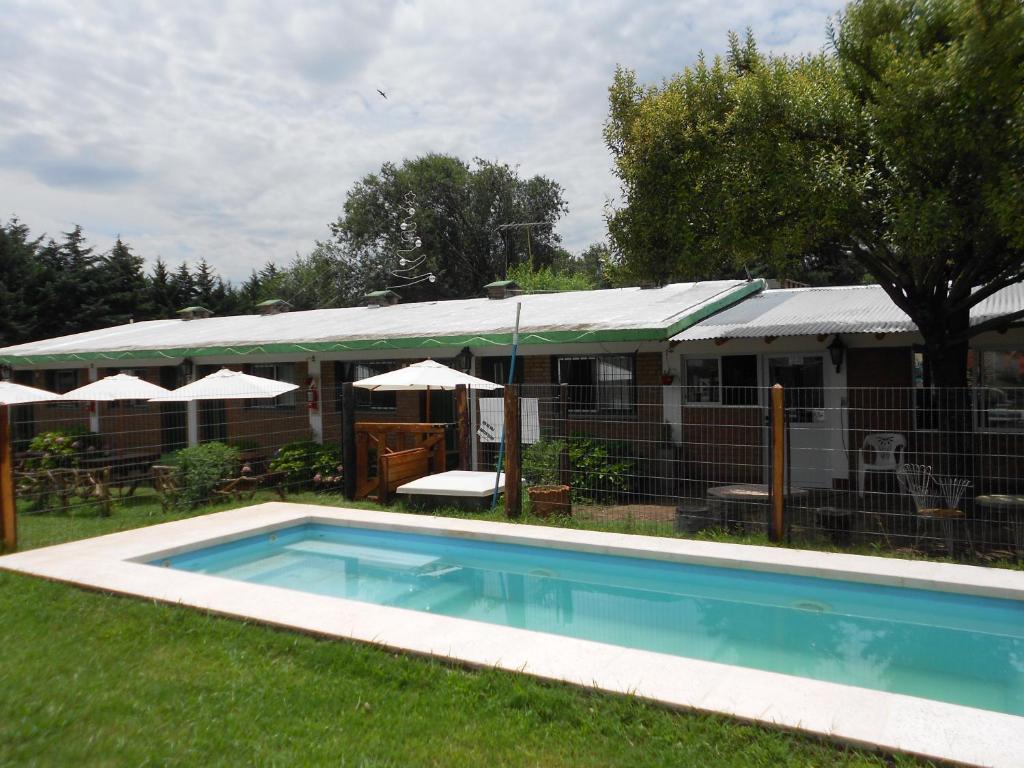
{"x": 427, "y": 376}
{"x": 227, "y": 385}
{"x": 120, "y": 386}
{"x": 15, "y": 394}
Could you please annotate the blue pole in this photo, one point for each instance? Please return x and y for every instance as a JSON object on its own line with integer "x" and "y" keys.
{"x": 511, "y": 380}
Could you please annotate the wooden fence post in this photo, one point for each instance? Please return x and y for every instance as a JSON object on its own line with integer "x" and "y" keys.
{"x": 513, "y": 453}
{"x": 778, "y": 464}
{"x": 8, "y": 513}
{"x": 348, "y": 439}
{"x": 562, "y": 435}
{"x": 462, "y": 420}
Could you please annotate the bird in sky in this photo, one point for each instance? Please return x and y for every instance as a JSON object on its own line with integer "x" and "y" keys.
{"x": 382, "y": 93}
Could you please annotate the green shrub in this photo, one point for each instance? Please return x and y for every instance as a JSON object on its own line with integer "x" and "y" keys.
{"x": 61, "y": 447}
{"x": 599, "y": 469}
{"x": 200, "y": 468}
{"x": 540, "y": 462}
{"x": 304, "y": 462}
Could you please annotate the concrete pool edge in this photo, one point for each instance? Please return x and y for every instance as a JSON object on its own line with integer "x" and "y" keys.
{"x": 852, "y": 715}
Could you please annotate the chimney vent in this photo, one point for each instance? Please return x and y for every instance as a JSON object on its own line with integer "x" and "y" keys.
{"x": 381, "y": 298}
{"x": 502, "y": 289}
{"x": 273, "y": 307}
{"x": 194, "y": 313}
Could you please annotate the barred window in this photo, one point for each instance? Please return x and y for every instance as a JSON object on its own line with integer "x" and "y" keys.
{"x": 367, "y": 400}
{"x": 278, "y": 372}
{"x": 599, "y": 384}
{"x": 1000, "y": 389}
{"x": 727, "y": 380}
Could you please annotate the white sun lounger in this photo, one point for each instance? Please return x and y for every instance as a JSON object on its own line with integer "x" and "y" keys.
{"x": 457, "y": 486}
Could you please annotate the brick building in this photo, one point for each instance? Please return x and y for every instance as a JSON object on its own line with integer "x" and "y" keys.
{"x": 685, "y": 367}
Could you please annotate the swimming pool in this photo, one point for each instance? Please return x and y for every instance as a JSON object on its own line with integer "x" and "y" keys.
{"x": 433, "y": 604}
{"x": 958, "y": 648}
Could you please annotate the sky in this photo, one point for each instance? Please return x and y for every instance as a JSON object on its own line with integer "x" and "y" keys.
{"x": 232, "y": 131}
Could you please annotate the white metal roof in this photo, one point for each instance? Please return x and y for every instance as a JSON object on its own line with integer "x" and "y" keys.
{"x": 623, "y": 314}
{"x": 815, "y": 311}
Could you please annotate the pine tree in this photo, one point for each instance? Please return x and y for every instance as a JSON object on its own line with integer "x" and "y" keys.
{"x": 76, "y": 297}
{"x": 22, "y": 274}
{"x": 161, "y": 294}
{"x": 204, "y": 282}
{"x": 127, "y": 295}
{"x": 182, "y": 288}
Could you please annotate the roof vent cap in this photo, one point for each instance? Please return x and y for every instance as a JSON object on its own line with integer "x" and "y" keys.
{"x": 381, "y": 298}
{"x": 502, "y": 289}
{"x": 273, "y": 307}
{"x": 194, "y": 313}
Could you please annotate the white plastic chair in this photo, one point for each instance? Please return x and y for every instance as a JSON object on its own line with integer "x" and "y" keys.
{"x": 886, "y": 453}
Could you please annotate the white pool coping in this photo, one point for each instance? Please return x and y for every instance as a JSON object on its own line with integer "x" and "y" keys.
{"x": 853, "y": 715}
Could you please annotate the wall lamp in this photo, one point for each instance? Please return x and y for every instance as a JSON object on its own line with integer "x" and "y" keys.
{"x": 837, "y": 351}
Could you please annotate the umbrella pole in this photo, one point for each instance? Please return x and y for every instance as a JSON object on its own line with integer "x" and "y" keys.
{"x": 428, "y": 405}
{"x": 8, "y": 512}
{"x": 511, "y": 380}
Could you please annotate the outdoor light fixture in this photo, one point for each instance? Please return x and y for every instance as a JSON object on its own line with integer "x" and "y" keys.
{"x": 837, "y": 350}
{"x": 464, "y": 360}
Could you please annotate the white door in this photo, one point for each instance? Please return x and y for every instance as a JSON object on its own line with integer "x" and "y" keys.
{"x": 815, "y": 395}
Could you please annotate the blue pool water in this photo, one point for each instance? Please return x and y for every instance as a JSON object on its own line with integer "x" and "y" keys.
{"x": 955, "y": 648}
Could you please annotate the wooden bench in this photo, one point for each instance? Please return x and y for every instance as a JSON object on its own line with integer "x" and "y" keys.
{"x": 400, "y": 467}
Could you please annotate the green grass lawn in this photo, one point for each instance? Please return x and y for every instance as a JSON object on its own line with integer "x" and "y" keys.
{"x": 93, "y": 679}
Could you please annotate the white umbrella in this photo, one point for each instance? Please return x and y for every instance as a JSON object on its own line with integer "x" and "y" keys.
{"x": 228, "y": 385}
{"x": 120, "y": 386}
{"x": 428, "y": 375}
{"x": 15, "y": 394}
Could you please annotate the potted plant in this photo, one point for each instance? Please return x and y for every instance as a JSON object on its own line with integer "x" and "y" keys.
{"x": 540, "y": 470}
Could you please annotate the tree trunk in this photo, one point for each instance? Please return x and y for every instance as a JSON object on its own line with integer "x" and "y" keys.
{"x": 951, "y": 399}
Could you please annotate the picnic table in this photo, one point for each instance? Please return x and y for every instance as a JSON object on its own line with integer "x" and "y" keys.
{"x": 67, "y": 484}
{"x": 127, "y": 468}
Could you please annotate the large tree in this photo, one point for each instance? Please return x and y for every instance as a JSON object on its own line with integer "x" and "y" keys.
{"x": 128, "y": 295}
{"x": 901, "y": 148}
{"x": 458, "y": 209}
{"x": 22, "y": 277}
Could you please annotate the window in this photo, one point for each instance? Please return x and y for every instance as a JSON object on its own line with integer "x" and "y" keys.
{"x": 600, "y": 384}
{"x": 739, "y": 380}
{"x": 278, "y": 372}
{"x": 62, "y": 381}
{"x": 127, "y": 404}
{"x": 701, "y": 380}
{"x": 495, "y": 369}
{"x": 728, "y": 380}
{"x": 366, "y": 400}
{"x": 999, "y": 394}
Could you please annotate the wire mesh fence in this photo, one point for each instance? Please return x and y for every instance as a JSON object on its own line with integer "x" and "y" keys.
{"x": 911, "y": 471}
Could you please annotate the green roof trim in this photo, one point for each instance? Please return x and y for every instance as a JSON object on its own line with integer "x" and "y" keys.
{"x": 379, "y": 294}
{"x": 474, "y": 341}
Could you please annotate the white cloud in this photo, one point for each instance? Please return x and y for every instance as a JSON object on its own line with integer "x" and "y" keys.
{"x": 232, "y": 130}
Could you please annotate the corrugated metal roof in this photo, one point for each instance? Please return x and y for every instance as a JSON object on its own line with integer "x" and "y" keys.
{"x": 623, "y": 314}
{"x": 816, "y": 311}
